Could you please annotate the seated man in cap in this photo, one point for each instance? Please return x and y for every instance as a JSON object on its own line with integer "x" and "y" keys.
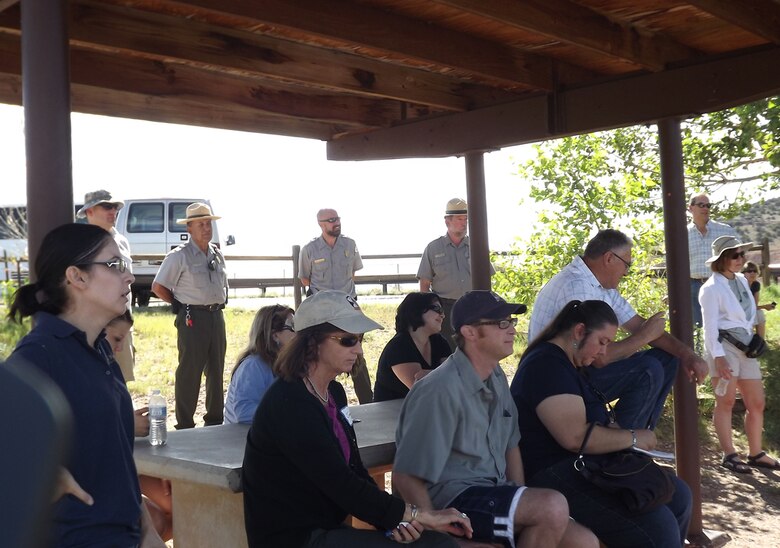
{"x": 101, "y": 209}
{"x": 445, "y": 268}
{"x": 193, "y": 279}
{"x": 457, "y": 438}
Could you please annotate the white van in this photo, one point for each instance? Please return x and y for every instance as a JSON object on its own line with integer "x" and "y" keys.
{"x": 150, "y": 227}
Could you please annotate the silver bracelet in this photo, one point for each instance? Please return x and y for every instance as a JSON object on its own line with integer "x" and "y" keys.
{"x": 413, "y": 511}
{"x": 633, "y": 438}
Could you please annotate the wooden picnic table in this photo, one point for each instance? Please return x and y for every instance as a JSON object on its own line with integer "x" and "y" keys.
{"x": 204, "y": 467}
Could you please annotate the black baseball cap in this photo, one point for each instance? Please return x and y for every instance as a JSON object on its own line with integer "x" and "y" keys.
{"x": 480, "y": 304}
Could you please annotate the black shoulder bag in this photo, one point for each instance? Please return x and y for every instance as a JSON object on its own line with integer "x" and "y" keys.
{"x": 636, "y": 479}
{"x": 755, "y": 349}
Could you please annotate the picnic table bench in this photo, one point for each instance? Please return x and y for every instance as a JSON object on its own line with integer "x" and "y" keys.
{"x": 204, "y": 467}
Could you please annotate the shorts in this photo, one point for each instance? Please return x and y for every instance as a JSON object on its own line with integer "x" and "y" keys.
{"x": 491, "y": 511}
{"x": 741, "y": 366}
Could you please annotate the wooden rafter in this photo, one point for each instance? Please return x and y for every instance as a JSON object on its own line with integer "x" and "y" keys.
{"x": 573, "y": 24}
{"x": 349, "y": 25}
{"x": 761, "y": 17}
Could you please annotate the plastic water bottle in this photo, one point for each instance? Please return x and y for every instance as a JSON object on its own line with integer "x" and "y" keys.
{"x": 722, "y": 386}
{"x": 158, "y": 419}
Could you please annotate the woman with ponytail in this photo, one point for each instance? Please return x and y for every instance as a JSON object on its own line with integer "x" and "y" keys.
{"x": 82, "y": 284}
{"x": 557, "y": 404}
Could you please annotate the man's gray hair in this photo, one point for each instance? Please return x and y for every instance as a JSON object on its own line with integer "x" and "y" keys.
{"x": 606, "y": 240}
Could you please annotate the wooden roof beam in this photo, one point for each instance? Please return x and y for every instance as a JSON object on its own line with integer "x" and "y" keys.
{"x": 156, "y": 80}
{"x": 574, "y": 24}
{"x": 346, "y": 24}
{"x": 760, "y": 17}
{"x": 645, "y": 98}
{"x": 101, "y": 27}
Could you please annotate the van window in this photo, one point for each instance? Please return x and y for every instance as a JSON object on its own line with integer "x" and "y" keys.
{"x": 145, "y": 217}
{"x": 177, "y": 210}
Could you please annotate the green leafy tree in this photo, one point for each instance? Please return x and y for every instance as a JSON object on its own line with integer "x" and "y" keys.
{"x": 612, "y": 180}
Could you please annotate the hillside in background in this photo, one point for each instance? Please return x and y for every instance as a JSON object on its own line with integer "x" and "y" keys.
{"x": 759, "y": 222}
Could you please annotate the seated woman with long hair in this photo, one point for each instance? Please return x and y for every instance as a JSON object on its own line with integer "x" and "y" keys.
{"x": 302, "y": 472}
{"x": 271, "y": 329}
{"x": 416, "y": 349}
{"x": 556, "y": 405}
{"x": 82, "y": 284}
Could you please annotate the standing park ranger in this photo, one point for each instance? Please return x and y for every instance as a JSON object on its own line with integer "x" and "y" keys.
{"x": 192, "y": 278}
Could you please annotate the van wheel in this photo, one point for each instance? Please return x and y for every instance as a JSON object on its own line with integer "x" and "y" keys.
{"x": 141, "y": 297}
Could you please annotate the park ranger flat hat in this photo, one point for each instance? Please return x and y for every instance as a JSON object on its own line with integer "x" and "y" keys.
{"x": 197, "y": 211}
{"x": 457, "y": 206}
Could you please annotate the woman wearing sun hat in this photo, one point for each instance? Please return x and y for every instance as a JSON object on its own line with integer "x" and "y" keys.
{"x": 728, "y": 306}
{"x": 302, "y": 472}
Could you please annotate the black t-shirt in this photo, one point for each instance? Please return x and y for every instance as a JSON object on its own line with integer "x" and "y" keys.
{"x": 755, "y": 287}
{"x": 546, "y": 371}
{"x": 401, "y": 349}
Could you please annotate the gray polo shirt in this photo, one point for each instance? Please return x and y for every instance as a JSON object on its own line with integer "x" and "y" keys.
{"x": 448, "y": 267}
{"x": 330, "y": 268}
{"x": 454, "y": 430}
{"x": 185, "y": 271}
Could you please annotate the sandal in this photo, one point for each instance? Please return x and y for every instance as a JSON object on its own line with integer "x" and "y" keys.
{"x": 732, "y": 462}
{"x": 755, "y": 462}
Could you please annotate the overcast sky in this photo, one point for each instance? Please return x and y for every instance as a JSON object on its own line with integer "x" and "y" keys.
{"x": 269, "y": 188}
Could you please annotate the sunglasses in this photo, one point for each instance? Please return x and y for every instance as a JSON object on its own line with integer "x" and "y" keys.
{"x": 289, "y": 328}
{"x": 750, "y": 271}
{"x": 502, "y": 324}
{"x": 740, "y": 255}
{"x": 435, "y": 308}
{"x": 348, "y": 340}
{"x": 331, "y": 220}
{"x": 702, "y": 205}
{"x": 212, "y": 264}
{"x": 108, "y": 207}
{"x": 119, "y": 264}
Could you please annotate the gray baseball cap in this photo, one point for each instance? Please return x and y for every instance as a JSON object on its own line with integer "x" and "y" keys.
{"x": 336, "y": 308}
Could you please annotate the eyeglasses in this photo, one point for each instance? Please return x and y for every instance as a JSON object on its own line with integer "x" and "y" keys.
{"x": 212, "y": 264}
{"x": 702, "y": 205}
{"x": 625, "y": 262}
{"x": 107, "y": 206}
{"x": 331, "y": 220}
{"x": 289, "y": 328}
{"x": 348, "y": 340}
{"x": 119, "y": 264}
{"x": 750, "y": 271}
{"x": 502, "y": 324}
{"x": 435, "y": 308}
{"x": 739, "y": 255}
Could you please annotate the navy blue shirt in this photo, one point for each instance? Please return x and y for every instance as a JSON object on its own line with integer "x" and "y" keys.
{"x": 101, "y": 457}
{"x": 544, "y": 372}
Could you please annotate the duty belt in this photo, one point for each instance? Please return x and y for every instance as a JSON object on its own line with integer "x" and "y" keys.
{"x": 207, "y": 307}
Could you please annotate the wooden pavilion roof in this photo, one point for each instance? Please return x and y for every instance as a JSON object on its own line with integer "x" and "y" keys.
{"x": 411, "y": 78}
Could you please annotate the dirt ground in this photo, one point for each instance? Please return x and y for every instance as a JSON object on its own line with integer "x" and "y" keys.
{"x": 744, "y": 507}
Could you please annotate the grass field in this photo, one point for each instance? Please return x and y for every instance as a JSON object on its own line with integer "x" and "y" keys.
{"x": 156, "y": 352}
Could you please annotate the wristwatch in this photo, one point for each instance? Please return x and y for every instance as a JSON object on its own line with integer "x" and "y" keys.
{"x": 633, "y": 438}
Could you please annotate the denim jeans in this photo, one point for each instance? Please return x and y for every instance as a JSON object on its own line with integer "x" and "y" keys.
{"x": 695, "y": 306}
{"x": 641, "y": 382}
{"x": 607, "y": 517}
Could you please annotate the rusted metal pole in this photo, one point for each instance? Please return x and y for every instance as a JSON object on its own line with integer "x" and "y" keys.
{"x": 686, "y": 413}
{"x": 478, "y": 229}
{"x": 46, "y": 99}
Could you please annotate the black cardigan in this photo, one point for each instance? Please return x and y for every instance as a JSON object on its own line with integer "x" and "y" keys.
{"x": 295, "y": 478}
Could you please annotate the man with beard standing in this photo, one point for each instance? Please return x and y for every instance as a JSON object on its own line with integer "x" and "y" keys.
{"x": 330, "y": 262}
{"x": 193, "y": 279}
